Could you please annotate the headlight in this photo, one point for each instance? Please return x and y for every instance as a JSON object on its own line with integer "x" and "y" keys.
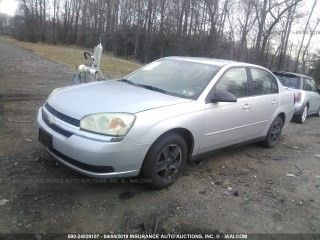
{"x": 114, "y": 124}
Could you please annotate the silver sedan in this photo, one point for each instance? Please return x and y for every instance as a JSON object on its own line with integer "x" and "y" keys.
{"x": 161, "y": 116}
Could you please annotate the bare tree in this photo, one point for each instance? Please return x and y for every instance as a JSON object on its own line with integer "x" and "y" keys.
{"x": 291, "y": 15}
{"x": 304, "y": 35}
{"x": 148, "y": 29}
{"x": 306, "y": 48}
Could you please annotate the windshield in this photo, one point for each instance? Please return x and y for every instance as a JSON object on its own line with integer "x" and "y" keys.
{"x": 174, "y": 77}
{"x": 289, "y": 81}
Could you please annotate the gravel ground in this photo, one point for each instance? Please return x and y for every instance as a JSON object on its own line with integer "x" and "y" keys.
{"x": 245, "y": 189}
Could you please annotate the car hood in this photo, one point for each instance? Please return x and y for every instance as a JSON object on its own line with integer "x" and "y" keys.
{"x": 108, "y": 96}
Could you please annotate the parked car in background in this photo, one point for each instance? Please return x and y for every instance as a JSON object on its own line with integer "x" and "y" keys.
{"x": 307, "y": 94}
{"x": 156, "y": 119}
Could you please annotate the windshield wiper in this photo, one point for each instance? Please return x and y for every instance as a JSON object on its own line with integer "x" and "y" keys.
{"x": 153, "y": 88}
{"x": 145, "y": 86}
{"x": 130, "y": 82}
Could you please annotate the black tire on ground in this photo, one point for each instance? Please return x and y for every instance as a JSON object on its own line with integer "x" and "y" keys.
{"x": 302, "y": 117}
{"x": 165, "y": 160}
{"x": 274, "y": 133}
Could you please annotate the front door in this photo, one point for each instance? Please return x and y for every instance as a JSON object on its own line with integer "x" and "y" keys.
{"x": 227, "y": 123}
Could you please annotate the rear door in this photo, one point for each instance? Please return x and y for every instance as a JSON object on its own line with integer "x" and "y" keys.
{"x": 316, "y": 96}
{"x": 312, "y": 96}
{"x": 264, "y": 101}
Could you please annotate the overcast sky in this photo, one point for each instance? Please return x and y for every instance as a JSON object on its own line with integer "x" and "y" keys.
{"x": 8, "y": 6}
{"x": 315, "y": 42}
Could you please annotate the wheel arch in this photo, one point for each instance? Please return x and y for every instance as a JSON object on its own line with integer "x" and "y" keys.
{"x": 184, "y": 133}
{"x": 283, "y": 116}
{"x": 307, "y": 105}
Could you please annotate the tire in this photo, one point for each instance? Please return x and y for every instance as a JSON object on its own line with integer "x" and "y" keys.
{"x": 165, "y": 160}
{"x": 302, "y": 117}
{"x": 274, "y": 133}
{"x": 318, "y": 113}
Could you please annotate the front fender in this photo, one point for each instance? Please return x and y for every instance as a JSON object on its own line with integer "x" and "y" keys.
{"x": 150, "y": 125}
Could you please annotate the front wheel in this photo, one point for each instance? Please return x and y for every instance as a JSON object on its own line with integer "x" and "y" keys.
{"x": 165, "y": 160}
{"x": 274, "y": 133}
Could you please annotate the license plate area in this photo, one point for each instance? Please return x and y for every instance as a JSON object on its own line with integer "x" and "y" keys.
{"x": 45, "y": 139}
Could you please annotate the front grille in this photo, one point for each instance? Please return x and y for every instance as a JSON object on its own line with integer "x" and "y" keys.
{"x": 84, "y": 166}
{"x": 63, "y": 117}
{"x": 55, "y": 127}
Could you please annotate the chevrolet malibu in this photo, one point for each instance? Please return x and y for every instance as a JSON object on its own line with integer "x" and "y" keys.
{"x": 161, "y": 116}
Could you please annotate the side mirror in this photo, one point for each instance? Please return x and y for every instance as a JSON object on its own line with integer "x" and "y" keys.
{"x": 223, "y": 96}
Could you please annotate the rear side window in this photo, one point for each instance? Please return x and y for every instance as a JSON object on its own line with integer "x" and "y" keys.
{"x": 274, "y": 84}
{"x": 263, "y": 82}
{"x": 314, "y": 86}
{"x": 309, "y": 85}
{"x": 235, "y": 81}
{"x": 306, "y": 85}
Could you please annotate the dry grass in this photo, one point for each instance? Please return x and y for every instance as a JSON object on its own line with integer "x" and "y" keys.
{"x": 72, "y": 57}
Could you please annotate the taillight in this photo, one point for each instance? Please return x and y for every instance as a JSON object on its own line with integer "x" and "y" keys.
{"x": 297, "y": 97}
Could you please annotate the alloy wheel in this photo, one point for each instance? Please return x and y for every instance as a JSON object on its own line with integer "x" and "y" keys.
{"x": 169, "y": 162}
{"x": 304, "y": 114}
{"x": 276, "y": 131}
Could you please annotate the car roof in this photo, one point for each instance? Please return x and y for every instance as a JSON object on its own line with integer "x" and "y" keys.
{"x": 293, "y": 74}
{"x": 211, "y": 61}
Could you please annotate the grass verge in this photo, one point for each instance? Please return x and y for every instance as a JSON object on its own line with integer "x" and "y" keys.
{"x": 72, "y": 57}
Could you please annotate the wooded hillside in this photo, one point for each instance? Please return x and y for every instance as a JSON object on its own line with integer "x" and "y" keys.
{"x": 257, "y": 31}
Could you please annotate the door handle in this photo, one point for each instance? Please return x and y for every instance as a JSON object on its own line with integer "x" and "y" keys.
{"x": 274, "y": 102}
{"x": 246, "y": 107}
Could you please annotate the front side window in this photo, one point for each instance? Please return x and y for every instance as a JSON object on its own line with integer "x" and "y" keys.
{"x": 175, "y": 77}
{"x": 234, "y": 81}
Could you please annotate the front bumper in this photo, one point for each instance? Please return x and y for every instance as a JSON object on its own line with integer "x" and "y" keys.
{"x": 94, "y": 156}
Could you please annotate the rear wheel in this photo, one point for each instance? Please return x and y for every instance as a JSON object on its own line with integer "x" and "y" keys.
{"x": 318, "y": 113}
{"x": 165, "y": 160}
{"x": 302, "y": 117}
{"x": 274, "y": 133}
